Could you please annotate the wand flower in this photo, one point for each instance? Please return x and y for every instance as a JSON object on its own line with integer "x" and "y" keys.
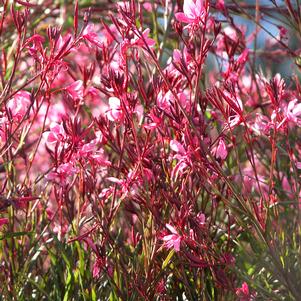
{"x": 172, "y": 240}
{"x": 193, "y": 12}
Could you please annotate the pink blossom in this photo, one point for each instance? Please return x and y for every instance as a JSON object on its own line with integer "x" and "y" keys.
{"x": 98, "y": 266}
{"x": 221, "y": 150}
{"x": 140, "y": 42}
{"x": 115, "y": 113}
{"x": 34, "y": 44}
{"x": 283, "y": 34}
{"x": 182, "y": 57}
{"x": 156, "y": 121}
{"x": 193, "y": 12}
{"x": 164, "y": 101}
{"x": 62, "y": 45}
{"x": 294, "y": 112}
{"x": 220, "y": 4}
{"x": 148, "y": 6}
{"x": 61, "y": 173}
{"x": 129, "y": 185}
{"x": 172, "y": 240}
{"x": 19, "y": 105}
{"x": 201, "y": 218}
{"x": 261, "y": 125}
{"x": 76, "y": 89}
{"x": 89, "y": 150}
{"x": 60, "y": 230}
{"x": 182, "y": 156}
{"x": 56, "y": 133}
{"x": 136, "y": 42}
{"x": 234, "y": 121}
{"x": 91, "y": 36}
{"x": 177, "y": 147}
{"x": 243, "y": 293}
{"x": 100, "y": 158}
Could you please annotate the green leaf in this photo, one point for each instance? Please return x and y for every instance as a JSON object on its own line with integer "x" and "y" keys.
{"x": 168, "y": 258}
{"x": 15, "y": 234}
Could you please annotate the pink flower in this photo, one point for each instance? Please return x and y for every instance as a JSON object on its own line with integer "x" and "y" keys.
{"x": 148, "y": 6}
{"x": 91, "y": 36}
{"x": 56, "y": 133}
{"x": 181, "y": 59}
{"x": 177, "y": 147}
{"x": 115, "y": 113}
{"x": 243, "y": 293}
{"x": 172, "y": 240}
{"x": 193, "y": 12}
{"x": 137, "y": 41}
{"x": 156, "y": 121}
{"x": 283, "y": 33}
{"x": 182, "y": 156}
{"x": 98, "y": 266}
{"x": 62, "y": 44}
{"x": 61, "y": 174}
{"x": 19, "y": 105}
{"x": 261, "y": 124}
{"x": 201, "y": 218}
{"x": 129, "y": 186}
{"x": 76, "y": 89}
{"x": 221, "y": 150}
{"x": 220, "y": 4}
{"x": 90, "y": 151}
{"x": 294, "y": 112}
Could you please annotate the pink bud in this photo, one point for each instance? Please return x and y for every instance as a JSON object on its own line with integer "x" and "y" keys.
{"x": 221, "y": 150}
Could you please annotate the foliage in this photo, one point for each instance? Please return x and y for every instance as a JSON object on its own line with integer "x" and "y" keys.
{"x": 150, "y": 150}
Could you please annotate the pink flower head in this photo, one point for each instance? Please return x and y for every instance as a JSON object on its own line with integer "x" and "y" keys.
{"x": 283, "y": 33}
{"x": 91, "y": 36}
{"x": 201, "y": 218}
{"x": 98, "y": 266}
{"x": 193, "y": 12}
{"x": 243, "y": 293}
{"x": 177, "y": 147}
{"x": 61, "y": 174}
{"x": 88, "y": 149}
{"x": 76, "y": 89}
{"x": 172, "y": 240}
{"x": 180, "y": 58}
{"x": 294, "y": 112}
{"x": 148, "y": 6}
{"x": 19, "y": 105}
{"x": 56, "y": 133}
{"x": 261, "y": 124}
{"x": 137, "y": 41}
{"x": 128, "y": 186}
{"x": 220, "y": 4}
{"x": 115, "y": 113}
